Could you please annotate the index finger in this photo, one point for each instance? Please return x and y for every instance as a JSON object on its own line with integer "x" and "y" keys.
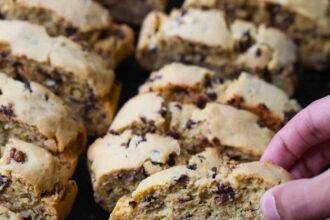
{"x": 308, "y": 128}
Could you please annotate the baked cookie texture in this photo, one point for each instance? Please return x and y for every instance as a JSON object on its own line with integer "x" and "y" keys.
{"x": 6, "y": 214}
{"x": 32, "y": 113}
{"x": 41, "y": 140}
{"x": 206, "y": 38}
{"x": 81, "y": 79}
{"x": 84, "y": 21}
{"x": 175, "y": 117}
{"x": 208, "y": 188}
{"x": 133, "y": 11}
{"x": 307, "y": 22}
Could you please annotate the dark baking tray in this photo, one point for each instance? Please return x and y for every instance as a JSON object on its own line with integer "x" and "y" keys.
{"x": 312, "y": 86}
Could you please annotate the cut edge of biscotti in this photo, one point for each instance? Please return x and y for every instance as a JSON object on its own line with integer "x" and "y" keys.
{"x": 185, "y": 192}
{"x": 131, "y": 159}
{"x": 272, "y": 105}
{"x": 26, "y": 184}
{"x": 86, "y": 22}
{"x": 228, "y": 47}
{"x": 80, "y": 78}
{"x": 30, "y": 112}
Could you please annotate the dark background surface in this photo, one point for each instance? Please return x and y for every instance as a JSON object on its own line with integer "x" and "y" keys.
{"x": 312, "y": 86}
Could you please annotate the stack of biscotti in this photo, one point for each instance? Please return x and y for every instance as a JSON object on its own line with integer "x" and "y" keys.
{"x": 208, "y": 38}
{"x": 179, "y": 112}
{"x": 41, "y": 140}
{"x": 306, "y": 22}
{"x": 133, "y": 11}
{"x": 84, "y": 21}
{"x": 209, "y": 187}
{"x": 82, "y": 79}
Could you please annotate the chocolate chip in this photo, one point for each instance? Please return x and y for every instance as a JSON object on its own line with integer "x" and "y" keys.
{"x": 144, "y": 120}
{"x": 192, "y": 166}
{"x": 245, "y": 42}
{"x": 2, "y": 16}
{"x": 207, "y": 82}
{"x": 190, "y": 123}
{"x": 69, "y": 31}
{"x": 149, "y": 199}
{"x": 143, "y": 139}
{"x": 104, "y": 34}
{"x": 258, "y": 52}
{"x": 46, "y": 97}
{"x": 183, "y": 179}
{"x": 201, "y": 102}
{"x": 212, "y": 96}
{"x": 225, "y": 193}
{"x": 174, "y": 134}
{"x": 113, "y": 132}
{"x": 4, "y": 182}
{"x": 214, "y": 172}
{"x": 17, "y": 155}
{"x": 263, "y": 108}
{"x": 133, "y": 204}
{"x": 7, "y": 110}
{"x": 162, "y": 112}
{"x": 178, "y": 106}
{"x": 237, "y": 101}
{"x": 216, "y": 142}
{"x": 262, "y": 123}
{"x": 1, "y": 92}
{"x": 171, "y": 160}
{"x": 126, "y": 144}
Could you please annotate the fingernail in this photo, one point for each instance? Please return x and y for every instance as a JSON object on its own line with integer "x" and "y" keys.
{"x": 268, "y": 206}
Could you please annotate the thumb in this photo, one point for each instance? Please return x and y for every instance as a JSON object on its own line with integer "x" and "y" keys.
{"x": 300, "y": 199}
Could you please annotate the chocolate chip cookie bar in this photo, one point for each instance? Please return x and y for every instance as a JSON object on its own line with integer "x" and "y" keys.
{"x": 206, "y": 38}
{"x": 133, "y": 11}
{"x": 307, "y": 22}
{"x": 84, "y": 21}
{"x": 34, "y": 182}
{"x": 208, "y": 189}
{"x": 80, "y": 78}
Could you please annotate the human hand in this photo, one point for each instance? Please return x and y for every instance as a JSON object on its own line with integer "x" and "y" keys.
{"x": 303, "y": 148}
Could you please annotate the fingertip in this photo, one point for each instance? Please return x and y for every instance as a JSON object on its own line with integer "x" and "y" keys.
{"x": 268, "y": 206}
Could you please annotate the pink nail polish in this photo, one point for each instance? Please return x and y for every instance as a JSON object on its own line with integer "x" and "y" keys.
{"x": 268, "y": 206}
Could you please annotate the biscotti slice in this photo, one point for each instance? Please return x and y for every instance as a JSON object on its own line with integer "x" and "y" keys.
{"x": 184, "y": 193}
{"x": 305, "y": 21}
{"x": 80, "y": 78}
{"x": 133, "y": 11}
{"x": 32, "y": 113}
{"x": 193, "y": 84}
{"x": 205, "y": 38}
{"x": 119, "y": 162}
{"x": 238, "y": 131}
{"x": 84, "y": 21}
{"x": 33, "y": 180}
